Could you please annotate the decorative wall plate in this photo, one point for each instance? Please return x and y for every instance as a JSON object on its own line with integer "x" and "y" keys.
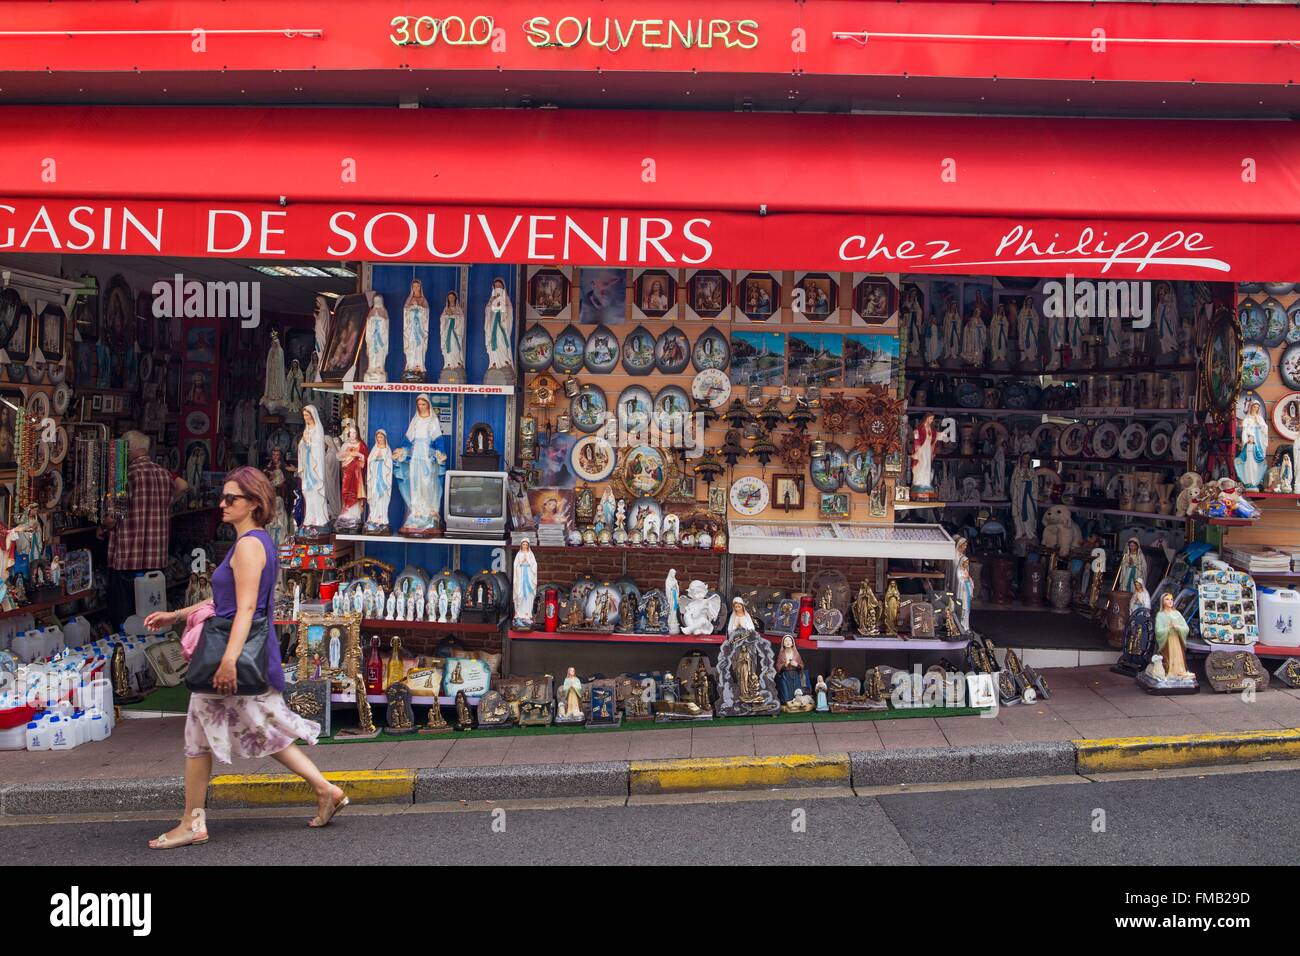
{"x": 749, "y": 496}
{"x": 1276, "y": 326}
{"x": 41, "y": 457}
{"x": 1132, "y": 441}
{"x": 672, "y": 352}
{"x": 1221, "y": 362}
{"x": 1293, "y": 323}
{"x": 646, "y": 471}
{"x": 639, "y": 510}
{"x": 995, "y": 433}
{"x": 536, "y": 349}
{"x": 1254, "y": 323}
{"x": 861, "y": 472}
{"x": 1105, "y": 440}
{"x": 1286, "y": 416}
{"x": 635, "y": 406}
{"x": 1180, "y": 444}
{"x": 711, "y": 350}
{"x": 38, "y": 406}
{"x": 601, "y": 354}
{"x": 828, "y": 471}
{"x": 639, "y": 351}
{"x": 49, "y": 489}
{"x": 593, "y": 458}
{"x": 672, "y": 408}
{"x": 1288, "y": 366}
{"x": 61, "y": 445}
{"x": 570, "y": 350}
{"x": 1243, "y": 402}
{"x": 197, "y": 423}
{"x": 712, "y": 387}
{"x": 588, "y": 409}
{"x": 1255, "y": 366}
{"x": 1045, "y": 438}
{"x": 969, "y": 394}
{"x": 1159, "y": 441}
{"x": 1073, "y": 440}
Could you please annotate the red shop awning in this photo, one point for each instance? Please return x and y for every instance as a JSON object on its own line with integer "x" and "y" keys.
{"x": 1121, "y": 198}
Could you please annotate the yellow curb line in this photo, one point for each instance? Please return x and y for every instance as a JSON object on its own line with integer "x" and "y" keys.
{"x": 1192, "y": 750}
{"x": 284, "y": 789}
{"x": 694, "y": 774}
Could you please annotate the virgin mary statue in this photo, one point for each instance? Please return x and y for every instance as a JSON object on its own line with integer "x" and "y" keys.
{"x": 315, "y": 471}
{"x": 424, "y": 459}
{"x": 498, "y": 336}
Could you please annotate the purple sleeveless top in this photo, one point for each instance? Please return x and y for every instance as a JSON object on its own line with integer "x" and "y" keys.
{"x": 223, "y": 599}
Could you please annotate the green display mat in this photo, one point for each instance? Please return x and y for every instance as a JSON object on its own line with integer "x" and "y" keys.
{"x": 170, "y": 700}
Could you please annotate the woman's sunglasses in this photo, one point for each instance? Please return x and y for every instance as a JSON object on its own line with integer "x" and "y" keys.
{"x": 229, "y": 500}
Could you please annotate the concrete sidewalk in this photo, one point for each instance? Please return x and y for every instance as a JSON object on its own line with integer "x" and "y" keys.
{"x": 1087, "y": 704}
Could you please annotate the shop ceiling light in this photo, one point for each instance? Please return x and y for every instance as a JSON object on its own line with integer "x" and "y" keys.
{"x": 339, "y": 272}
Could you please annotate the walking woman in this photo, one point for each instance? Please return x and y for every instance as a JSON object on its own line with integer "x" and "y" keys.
{"x": 225, "y": 724}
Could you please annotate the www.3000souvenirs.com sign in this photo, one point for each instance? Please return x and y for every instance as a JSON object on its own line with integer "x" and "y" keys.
{"x": 687, "y": 239}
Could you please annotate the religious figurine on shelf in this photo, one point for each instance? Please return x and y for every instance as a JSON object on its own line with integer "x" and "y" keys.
{"x": 352, "y": 463}
{"x": 1079, "y": 328}
{"x": 376, "y": 341}
{"x": 1171, "y": 639}
{"x": 524, "y": 586}
{"x": 791, "y": 676}
{"x": 965, "y": 592}
{"x": 933, "y": 346}
{"x": 570, "y": 698}
{"x": 1252, "y": 453}
{"x": 318, "y": 467}
{"x": 275, "y": 396}
{"x": 379, "y": 484}
{"x": 702, "y": 609}
{"x": 999, "y": 339}
{"x": 823, "y": 705}
{"x": 498, "y": 336}
{"x": 1027, "y": 336}
{"x": 866, "y": 610}
{"x": 974, "y": 339}
{"x": 1166, "y": 321}
{"x": 293, "y": 388}
{"x": 1132, "y": 566}
{"x": 912, "y": 317}
{"x": 672, "y": 592}
{"x": 1057, "y": 338}
{"x": 952, "y": 337}
{"x": 415, "y": 333}
{"x": 423, "y": 461}
{"x": 924, "y": 439}
{"x": 451, "y": 338}
{"x": 740, "y": 617}
{"x": 1111, "y": 330}
{"x": 892, "y": 600}
{"x": 1024, "y": 506}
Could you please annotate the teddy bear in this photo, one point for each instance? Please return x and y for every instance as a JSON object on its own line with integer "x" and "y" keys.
{"x": 1190, "y": 485}
{"x": 1060, "y": 533}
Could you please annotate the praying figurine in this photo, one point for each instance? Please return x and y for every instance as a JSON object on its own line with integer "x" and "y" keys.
{"x": 866, "y": 610}
{"x": 791, "y": 676}
{"x": 376, "y": 341}
{"x": 571, "y": 697}
{"x": 822, "y": 705}
{"x": 415, "y": 332}
{"x": 892, "y": 600}
{"x": 452, "y": 340}
{"x": 498, "y": 336}
{"x": 740, "y": 617}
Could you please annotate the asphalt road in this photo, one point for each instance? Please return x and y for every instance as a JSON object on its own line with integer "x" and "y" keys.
{"x": 1227, "y": 818}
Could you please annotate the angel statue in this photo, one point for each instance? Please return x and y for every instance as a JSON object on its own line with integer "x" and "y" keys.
{"x": 701, "y": 610}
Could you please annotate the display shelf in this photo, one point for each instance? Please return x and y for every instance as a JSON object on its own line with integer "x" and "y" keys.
{"x": 1084, "y": 508}
{"x": 918, "y": 505}
{"x": 1259, "y": 650}
{"x": 917, "y": 575}
{"x": 1043, "y": 373}
{"x": 600, "y": 637}
{"x": 1074, "y": 413}
{"x": 444, "y": 539}
{"x": 382, "y": 699}
{"x": 1226, "y": 522}
{"x": 379, "y": 624}
{"x": 416, "y": 388}
{"x": 842, "y": 539}
{"x": 1272, "y": 494}
{"x": 889, "y": 644}
{"x": 35, "y": 607}
{"x": 1126, "y": 462}
{"x": 625, "y": 549}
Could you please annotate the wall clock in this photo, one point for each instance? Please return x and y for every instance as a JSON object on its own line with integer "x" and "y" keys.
{"x": 878, "y": 425}
{"x": 712, "y": 387}
{"x": 749, "y": 496}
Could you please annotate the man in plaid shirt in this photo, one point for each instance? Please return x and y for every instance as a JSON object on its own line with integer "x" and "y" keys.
{"x": 139, "y": 541}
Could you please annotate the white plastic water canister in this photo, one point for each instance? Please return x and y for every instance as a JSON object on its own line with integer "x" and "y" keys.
{"x": 62, "y": 734}
{"x": 77, "y": 631}
{"x": 99, "y": 696}
{"x": 15, "y": 738}
{"x": 38, "y": 735}
{"x": 1279, "y": 617}
{"x": 28, "y": 645}
{"x": 100, "y": 727}
{"x": 150, "y": 593}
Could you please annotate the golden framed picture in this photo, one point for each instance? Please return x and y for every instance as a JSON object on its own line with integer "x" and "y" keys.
{"x": 331, "y": 642}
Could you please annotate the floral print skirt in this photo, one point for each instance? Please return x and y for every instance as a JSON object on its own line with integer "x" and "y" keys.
{"x": 248, "y": 727}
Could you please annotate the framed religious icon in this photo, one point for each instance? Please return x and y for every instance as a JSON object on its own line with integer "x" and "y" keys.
{"x": 685, "y": 491}
{"x": 345, "y": 338}
{"x": 875, "y": 299}
{"x": 85, "y": 317}
{"x": 787, "y": 492}
{"x": 604, "y": 296}
{"x": 815, "y": 299}
{"x": 331, "y": 640}
{"x": 648, "y": 472}
{"x": 708, "y": 295}
{"x": 50, "y": 326}
{"x": 654, "y": 294}
{"x": 758, "y": 297}
{"x": 548, "y": 292}
{"x": 118, "y": 325}
{"x": 717, "y": 499}
{"x": 19, "y": 346}
{"x": 1221, "y": 363}
{"x": 834, "y": 505}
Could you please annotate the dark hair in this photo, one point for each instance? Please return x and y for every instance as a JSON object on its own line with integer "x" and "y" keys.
{"x": 253, "y": 483}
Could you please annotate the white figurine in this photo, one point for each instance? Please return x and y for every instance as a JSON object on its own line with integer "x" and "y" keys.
{"x": 316, "y": 467}
{"x": 1166, "y": 320}
{"x": 525, "y": 585}
{"x": 974, "y": 340}
{"x": 451, "y": 338}
{"x": 424, "y": 484}
{"x": 740, "y": 618}
{"x": 912, "y": 317}
{"x": 1132, "y": 566}
{"x": 1156, "y": 669}
{"x": 453, "y": 612}
{"x": 444, "y": 605}
{"x": 1190, "y": 483}
{"x": 293, "y": 388}
{"x": 379, "y": 483}
{"x": 390, "y": 609}
{"x": 952, "y": 337}
{"x": 376, "y": 341}
{"x": 702, "y": 610}
{"x": 275, "y": 396}
{"x": 1024, "y": 506}
{"x": 1056, "y": 339}
{"x": 999, "y": 338}
{"x": 415, "y": 332}
{"x": 1251, "y": 462}
{"x": 965, "y": 592}
{"x": 358, "y": 600}
{"x": 933, "y": 349}
{"x": 419, "y": 607}
{"x": 673, "y": 593}
{"x": 297, "y": 601}
{"x": 498, "y": 336}
{"x": 399, "y": 613}
{"x": 1027, "y": 334}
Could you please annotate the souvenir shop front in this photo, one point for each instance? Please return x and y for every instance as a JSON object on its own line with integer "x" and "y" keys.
{"x": 700, "y": 457}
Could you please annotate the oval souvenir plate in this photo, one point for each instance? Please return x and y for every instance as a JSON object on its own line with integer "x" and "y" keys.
{"x": 996, "y": 433}
{"x": 1243, "y": 402}
{"x": 1276, "y": 323}
{"x": 1288, "y": 367}
{"x": 38, "y": 406}
{"x": 646, "y": 472}
{"x": 639, "y": 351}
{"x": 1073, "y": 439}
{"x": 1046, "y": 439}
{"x": 61, "y": 445}
{"x": 1105, "y": 440}
{"x": 969, "y": 395}
{"x": 1159, "y": 441}
{"x": 1180, "y": 444}
{"x": 711, "y": 350}
{"x": 569, "y": 350}
{"x": 1132, "y": 441}
{"x": 637, "y": 511}
{"x": 1286, "y": 416}
{"x": 536, "y": 349}
{"x": 1255, "y": 366}
{"x": 588, "y": 409}
{"x": 1254, "y": 323}
{"x": 1293, "y": 323}
{"x": 49, "y": 490}
{"x": 1249, "y": 288}
{"x": 601, "y": 353}
{"x": 672, "y": 352}
{"x": 635, "y": 406}
{"x": 41, "y": 458}
{"x": 593, "y": 458}
{"x": 672, "y": 408}
{"x": 859, "y": 472}
{"x": 828, "y": 472}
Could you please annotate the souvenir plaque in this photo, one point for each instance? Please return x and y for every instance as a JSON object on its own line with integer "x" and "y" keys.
{"x": 494, "y": 711}
{"x": 570, "y": 350}
{"x": 536, "y": 349}
{"x": 1288, "y": 366}
{"x": 1231, "y": 672}
{"x": 602, "y": 351}
{"x": 639, "y": 351}
{"x": 1256, "y": 365}
{"x": 711, "y": 351}
{"x": 672, "y": 351}
{"x": 588, "y": 409}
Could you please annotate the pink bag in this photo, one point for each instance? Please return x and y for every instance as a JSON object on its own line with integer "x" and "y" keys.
{"x": 194, "y": 628}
